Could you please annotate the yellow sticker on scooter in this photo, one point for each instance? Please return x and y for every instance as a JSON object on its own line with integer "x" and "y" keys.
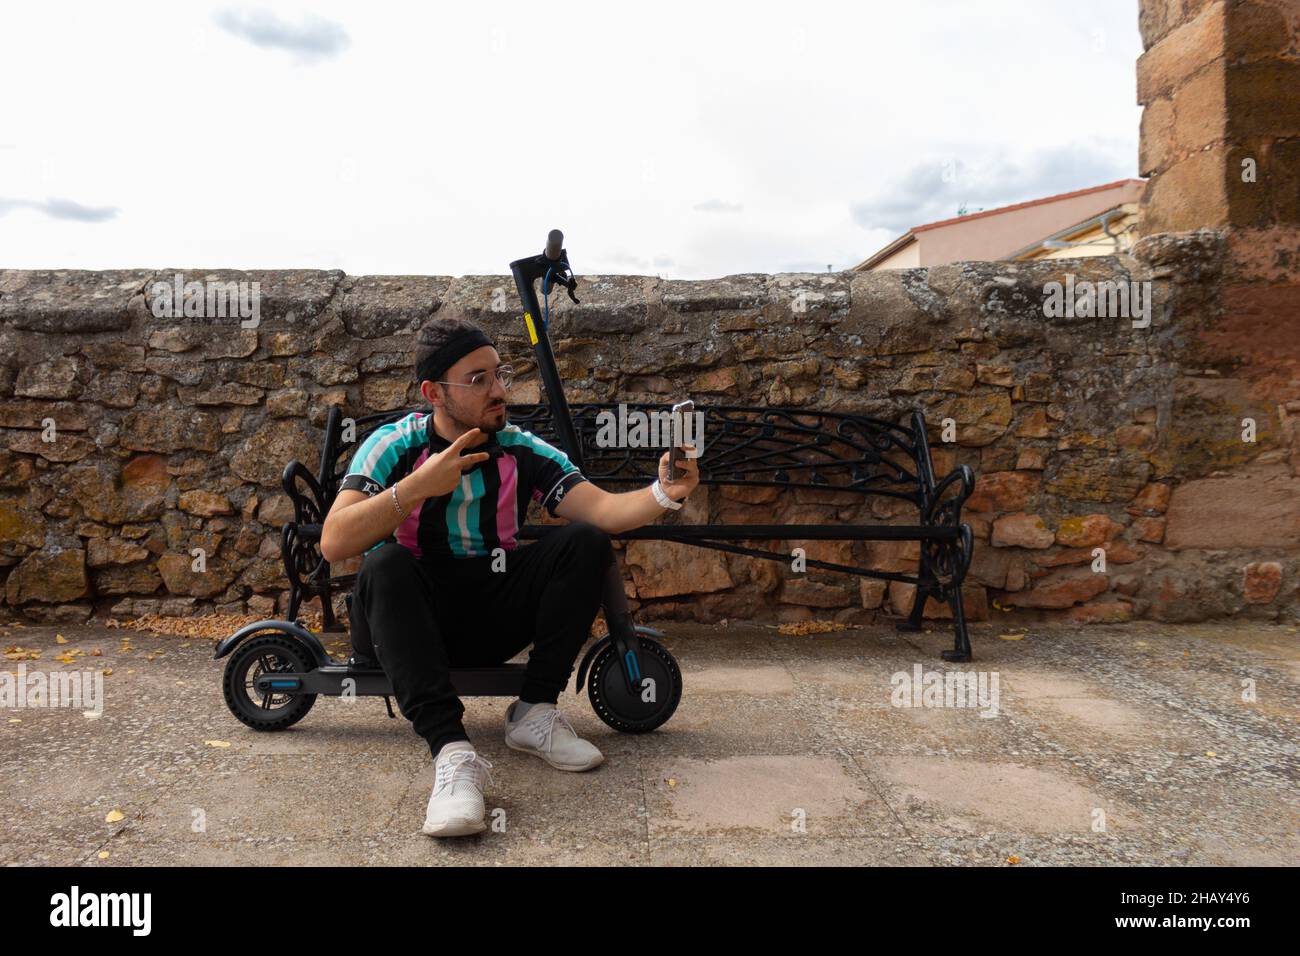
{"x": 532, "y": 332}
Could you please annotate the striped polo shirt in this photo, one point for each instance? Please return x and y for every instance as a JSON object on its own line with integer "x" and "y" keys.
{"x": 486, "y": 509}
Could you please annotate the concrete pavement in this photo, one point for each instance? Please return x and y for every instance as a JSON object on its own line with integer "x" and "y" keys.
{"x": 1124, "y": 744}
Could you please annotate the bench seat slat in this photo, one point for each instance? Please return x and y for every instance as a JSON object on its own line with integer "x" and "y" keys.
{"x": 786, "y": 532}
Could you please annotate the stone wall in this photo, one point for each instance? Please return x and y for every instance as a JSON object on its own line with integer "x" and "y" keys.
{"x": 170, "y": 434}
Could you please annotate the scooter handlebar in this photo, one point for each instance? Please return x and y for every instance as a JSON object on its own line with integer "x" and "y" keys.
{"x": 554, "y": 243}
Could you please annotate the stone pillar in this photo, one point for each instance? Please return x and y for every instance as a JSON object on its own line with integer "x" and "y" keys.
{"x": 1219, "y": 83}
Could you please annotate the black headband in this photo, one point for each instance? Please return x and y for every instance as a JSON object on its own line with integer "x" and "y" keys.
{"x": 449, "y": 353}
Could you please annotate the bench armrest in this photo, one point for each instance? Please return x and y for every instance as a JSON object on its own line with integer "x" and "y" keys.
{"x": 309, "y": 504}
{"x": 947, "y": 511}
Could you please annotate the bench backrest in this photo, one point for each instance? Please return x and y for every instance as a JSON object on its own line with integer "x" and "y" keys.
{"x": 742, "y": 445}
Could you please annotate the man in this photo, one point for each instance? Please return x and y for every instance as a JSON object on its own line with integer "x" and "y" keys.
{"x": 429, "y": 499}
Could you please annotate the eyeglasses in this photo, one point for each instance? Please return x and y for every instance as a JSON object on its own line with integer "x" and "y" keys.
{"x": 504, "y": 374}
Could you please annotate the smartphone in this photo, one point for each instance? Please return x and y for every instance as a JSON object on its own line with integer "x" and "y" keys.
{"x": 680, "y": 411}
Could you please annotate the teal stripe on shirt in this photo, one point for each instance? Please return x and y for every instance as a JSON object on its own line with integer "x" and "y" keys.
{"x": 463, "y": 515}
{"x": 537, "y": 446}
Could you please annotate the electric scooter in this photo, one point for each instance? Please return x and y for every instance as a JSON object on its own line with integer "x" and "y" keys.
{"x": 277, "y": 668}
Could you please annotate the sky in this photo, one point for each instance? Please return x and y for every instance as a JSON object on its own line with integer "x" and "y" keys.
{"x": 682, "y": 139}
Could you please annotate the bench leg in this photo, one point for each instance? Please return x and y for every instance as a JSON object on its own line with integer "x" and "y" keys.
{"x": 328, "y": 622}
{"x": 926, "y": 578}
{"x": 961, "y": 646}
{"x": 961, "y": 650}
{"x": 913, "y": 621}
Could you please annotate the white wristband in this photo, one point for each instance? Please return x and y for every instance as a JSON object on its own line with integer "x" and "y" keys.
{"x": 661, "y": 496}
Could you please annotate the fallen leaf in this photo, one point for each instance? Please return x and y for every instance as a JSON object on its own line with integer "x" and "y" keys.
{"x": 1011, "y": 637}
{"x": 1013, "y": 860}
{"x": 114, "y": 816}
{"x": 102, "y": 854}
{"x": 672, "y": 782}
{"x": 1210, "y": 753}
{"x": 15, "y": 720}
{"x": 205, "y": 626}
{"x": 802, "y": 628}
{"x": 217, "y": 743}
{"x": 60, "y": 639}
{"x": 97, "y": 653}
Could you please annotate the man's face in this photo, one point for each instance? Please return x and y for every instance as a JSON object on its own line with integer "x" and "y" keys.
{"x": 483, "y": 406}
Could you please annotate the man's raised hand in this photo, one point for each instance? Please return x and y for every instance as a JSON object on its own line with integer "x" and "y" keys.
{"x": 440, "y": 473}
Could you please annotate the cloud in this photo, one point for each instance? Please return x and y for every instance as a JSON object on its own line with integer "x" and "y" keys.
{"x": 314, "y": 38}
{"x": 938, "y": 187}
{"x": 623, "y": 262}
{"x": 61, "y": 209}
{"x": 717, "y": 205}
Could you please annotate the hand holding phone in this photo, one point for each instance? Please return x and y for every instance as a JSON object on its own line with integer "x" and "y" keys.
{"x": 680, "y": 411}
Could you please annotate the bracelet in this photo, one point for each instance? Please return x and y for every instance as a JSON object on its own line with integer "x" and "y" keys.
{"x": 661, "y": 496}
{"x": 396, "y": 503}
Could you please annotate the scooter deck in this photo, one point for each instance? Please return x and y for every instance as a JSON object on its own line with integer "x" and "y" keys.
{"x": 501, "y": 680}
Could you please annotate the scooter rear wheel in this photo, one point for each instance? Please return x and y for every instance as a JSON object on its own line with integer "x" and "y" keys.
{"x": 267, "y": 654}
{"x": 635, "y": 714}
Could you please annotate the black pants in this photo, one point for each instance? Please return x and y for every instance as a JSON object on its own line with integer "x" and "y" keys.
{"x": 421, "y": 617}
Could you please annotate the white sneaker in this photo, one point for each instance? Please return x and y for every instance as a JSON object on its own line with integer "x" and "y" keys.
{"x": 456, "y": 804}
{"x": 546, "y": 732}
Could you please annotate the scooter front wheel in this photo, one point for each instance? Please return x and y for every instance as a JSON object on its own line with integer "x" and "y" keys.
{"x": 659, "y": 688}
{"x": 251, "y": 660}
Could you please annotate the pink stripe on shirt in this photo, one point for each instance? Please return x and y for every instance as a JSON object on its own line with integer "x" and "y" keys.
{"x": 507, "y": 509}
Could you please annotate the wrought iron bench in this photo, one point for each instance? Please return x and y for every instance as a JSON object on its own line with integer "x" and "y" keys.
{"x": 744, "y": 446}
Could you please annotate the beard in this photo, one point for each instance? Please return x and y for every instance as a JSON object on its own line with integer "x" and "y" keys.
{"x": 488, "y": 422}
